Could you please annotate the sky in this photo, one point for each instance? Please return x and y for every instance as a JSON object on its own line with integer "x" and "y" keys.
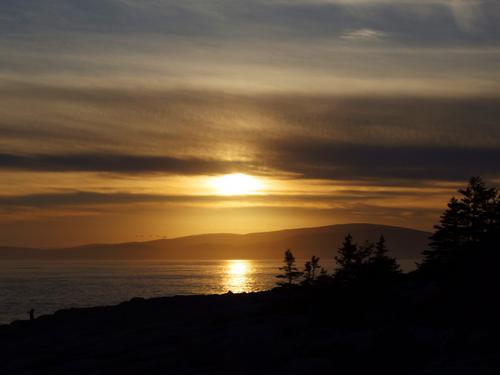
{"x": 120, "y": 120}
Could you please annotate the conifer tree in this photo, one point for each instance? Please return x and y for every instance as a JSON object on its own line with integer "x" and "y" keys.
{"x": 347, "y": 256}
{"x": 470, "y": 224}
{"x": 310, "y": 268}
{"x": 383, "y": 266}
{"x": 380, "y": 248}
{"x": 350, "y": 259}
{"x": 365, "y": 251}
{"x": 315, "y": 266}
{"x": 307, "y": 273}
{"x": 290, "y": 271}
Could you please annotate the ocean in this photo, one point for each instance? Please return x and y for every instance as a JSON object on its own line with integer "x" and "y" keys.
{"x": 48, "y": 286}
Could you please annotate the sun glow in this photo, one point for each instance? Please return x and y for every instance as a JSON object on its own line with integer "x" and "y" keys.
{"x": 238, "y": 276}
{"x": 237, "y": 268}
{"x": 236, "y": 184}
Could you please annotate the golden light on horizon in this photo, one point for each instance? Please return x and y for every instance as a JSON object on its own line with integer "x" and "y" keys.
{"x": 236, "y": 184}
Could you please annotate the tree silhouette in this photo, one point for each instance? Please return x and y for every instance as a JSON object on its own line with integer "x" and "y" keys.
{"x": 324, "y": 278}
{"x": 290, "y": 272}
{"x": 315, "y": 266}
{"x": 307, "y": 273}
{"x": 347, "y": 255}
{"x": 367, "y": 262}
{"x": 468, "y": 231}
{"x": 365, "y": 251}
{"x": 380, "y": 248}
{"x": 382, "y": 266}
{"x": 310, "y": 268}
{"x": 350, "y": 259}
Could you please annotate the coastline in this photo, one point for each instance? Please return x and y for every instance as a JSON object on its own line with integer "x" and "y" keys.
{"x": 281, "y": 331}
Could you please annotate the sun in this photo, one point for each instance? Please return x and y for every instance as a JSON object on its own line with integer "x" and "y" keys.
{"x": 236, "y": 184}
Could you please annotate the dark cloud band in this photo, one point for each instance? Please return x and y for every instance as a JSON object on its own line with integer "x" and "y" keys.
{"x": 316, "y": 159}
{"x": 330, "y": 160}
{"x": 90, "y": 198}
{"x": 116, "y": 163}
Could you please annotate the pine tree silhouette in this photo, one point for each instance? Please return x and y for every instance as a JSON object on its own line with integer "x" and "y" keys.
{"x": 307, "y": 273}
{"x": 365, "y": 263}
{"x": 315, "y": 266}
{"x": 310, "y": 268}
{"x": 290, "y": 272}
{"x": 350, "y": 259}
{"x": 468, "y": 232}
{"x": 382, "y": 267}
{"x": 347, "y": 255}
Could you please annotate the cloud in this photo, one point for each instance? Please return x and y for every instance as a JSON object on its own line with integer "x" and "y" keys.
{"x": 204, "y": 133}
{"x": 415, "y": 22}
{"x": 365, "y": 93}
{"x": 342, "y": 199}
{"x": 309, "y": 159}
{"x": 468, "y": 14}
{"x": 363, "y": 35}
{"x": 330, "y": 160}
{"x": 115, "y": 163}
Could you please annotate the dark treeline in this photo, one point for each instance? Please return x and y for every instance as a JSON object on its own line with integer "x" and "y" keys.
{"x": 354, "y": 264}
{"x": 442, "y": 318}
{"x": 464, "y": 246}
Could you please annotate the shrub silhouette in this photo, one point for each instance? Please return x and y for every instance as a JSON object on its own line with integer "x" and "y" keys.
{"x": 290, "y": 271}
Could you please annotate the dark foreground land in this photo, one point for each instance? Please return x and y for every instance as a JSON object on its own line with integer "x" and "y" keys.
{"x": 411, "y": 328}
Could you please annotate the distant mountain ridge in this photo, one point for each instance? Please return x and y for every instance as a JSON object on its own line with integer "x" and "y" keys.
{"x": 403, "y": 243}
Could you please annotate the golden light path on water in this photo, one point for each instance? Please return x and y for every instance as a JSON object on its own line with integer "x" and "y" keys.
{"x": 237, "y": 275}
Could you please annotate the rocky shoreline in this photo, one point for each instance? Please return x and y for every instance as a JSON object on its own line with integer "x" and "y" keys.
{"x": 411, "y": 329}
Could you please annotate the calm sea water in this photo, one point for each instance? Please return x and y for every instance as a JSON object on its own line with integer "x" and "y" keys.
{"x": 48, "y": 286}
{"x": 51, "y": 286}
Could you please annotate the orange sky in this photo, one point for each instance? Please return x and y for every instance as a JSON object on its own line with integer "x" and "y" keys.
{"x": 118, "y": 118}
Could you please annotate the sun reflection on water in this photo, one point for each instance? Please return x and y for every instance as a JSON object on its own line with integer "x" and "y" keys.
{"x": 237, "y": 277}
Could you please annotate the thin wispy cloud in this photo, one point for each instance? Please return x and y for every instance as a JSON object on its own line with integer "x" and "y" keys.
{"x": 363, "y": 35}
{"x": 469, "y": 14}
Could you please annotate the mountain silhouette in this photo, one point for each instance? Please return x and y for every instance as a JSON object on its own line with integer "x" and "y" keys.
{"x": 323, "y": 241}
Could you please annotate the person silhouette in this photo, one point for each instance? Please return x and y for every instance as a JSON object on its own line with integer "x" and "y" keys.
{"x": 32, "y": 314}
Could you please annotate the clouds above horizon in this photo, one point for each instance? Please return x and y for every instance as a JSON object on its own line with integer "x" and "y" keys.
{"x": 446, "y": 47}
{"x": 300, "y": 159}
{"x": 113, "y": 107}
{"x": 460, "y": 21}
{"x": 207, "y": 133}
